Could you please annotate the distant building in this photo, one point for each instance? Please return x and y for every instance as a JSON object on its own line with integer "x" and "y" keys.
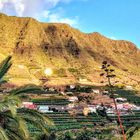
{"x": 105, "y": 92}
{"x": 72, "y": 86}
{"x": 129, "y": 87}
{"x": 121, "y": 99}
{"x": 73, "y": 99}
{"x": 44, "y": 109}
{"x": 86, "y": 111}
{"x": 70, "y": 106}
{"x": 63, "y": 93}
{"x": 69, "y": 93}
{"x": 29, "y": 105}
{"x": 58, "y": 108}
{"x": 96, "y": 91}
{"x": 92, "y": 108}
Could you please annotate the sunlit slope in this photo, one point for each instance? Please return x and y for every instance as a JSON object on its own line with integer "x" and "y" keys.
{"x": 70, "y": 53}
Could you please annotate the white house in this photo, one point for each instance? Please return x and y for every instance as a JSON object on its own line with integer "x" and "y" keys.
{"x": 92, "y": 108}
{"x": 73, "y": 99}
{"x": 72, "y": 86}
{"x": 121, "y": 99}
{"x": 70, "y": 106}
{"x": 129, "y": 87}
{"x": 96, "y": 91}
{"x": 105, "y": 92}
{"x": 44, "y": 109}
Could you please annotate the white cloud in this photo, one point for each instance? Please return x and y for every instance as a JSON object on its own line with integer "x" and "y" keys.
{"x": 112, "y": 37}
{"x": 1, "y": 5}
{"x": 12, "y": 6}
{"x": 72, "y": 22}
{"x": 43, "y": 10}
{"x": 45, "y": 14}
{"x": 59, "y": 18}
{"x": 28, "y": 7}
{"x": 19, "y": 7}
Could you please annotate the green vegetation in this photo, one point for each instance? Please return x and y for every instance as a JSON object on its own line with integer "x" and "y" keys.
{"x": 78, "y": 88}
{"x": 130, "y": 95}
{"x": 13, "y": 121}
{"x": 136, "y": 135}
{"x": 73, "y": 70}
{"x": 22, "y": 124}
{"x": 39, "y": 45}
{"x": 49, "y": 101}
{"x": 60, "y": 72}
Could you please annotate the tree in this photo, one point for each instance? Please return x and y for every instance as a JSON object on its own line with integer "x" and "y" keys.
{"x": 108, "y": 72}
{"x": 84, "y": 135}
{"x": 4, "y": 67}
{"x": 132, "y": 131}
{"x": 14, "y": 120}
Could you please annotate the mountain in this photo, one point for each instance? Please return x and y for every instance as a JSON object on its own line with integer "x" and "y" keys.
{"x": 71, "y": 54}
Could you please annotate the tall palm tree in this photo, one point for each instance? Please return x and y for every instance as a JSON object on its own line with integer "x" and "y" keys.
{"x": 14, "y": 120}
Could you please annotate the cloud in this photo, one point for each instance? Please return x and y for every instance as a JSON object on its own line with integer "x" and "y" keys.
{"x": 1, "y": 5}
{"x": 112, "y": 37}
{"x": 42, "y": 10}
{"x": 58, "y": 17}
{"x": 28, "y": 7}
{"x": 12, "y": 6}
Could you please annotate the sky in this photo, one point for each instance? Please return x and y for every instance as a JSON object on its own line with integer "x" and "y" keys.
{"x": 115, "y": 19}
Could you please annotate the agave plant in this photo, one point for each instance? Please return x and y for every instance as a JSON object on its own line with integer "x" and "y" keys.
{"x": 14, "y": 120}
{"x": 108, "y": 73}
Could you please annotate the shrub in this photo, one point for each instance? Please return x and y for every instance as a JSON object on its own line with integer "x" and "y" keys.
{"x": 73, "y": 70}
{"x": 60, "y": 72}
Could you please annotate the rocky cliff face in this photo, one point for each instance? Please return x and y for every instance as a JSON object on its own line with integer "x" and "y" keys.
{"x": 70, "y": 53}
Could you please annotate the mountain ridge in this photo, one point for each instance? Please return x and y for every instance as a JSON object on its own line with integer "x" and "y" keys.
{"x": 71, "y": 53}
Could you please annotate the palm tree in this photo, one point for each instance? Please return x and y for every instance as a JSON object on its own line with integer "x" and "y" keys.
{"x": 132, "y": 132}
{"x": 4, "y": 67}
{"x": 13, "y": 120}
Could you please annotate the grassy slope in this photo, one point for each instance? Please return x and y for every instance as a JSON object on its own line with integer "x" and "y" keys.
{"x": 39, "y": 45}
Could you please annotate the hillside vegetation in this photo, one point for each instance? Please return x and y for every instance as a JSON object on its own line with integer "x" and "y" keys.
{"x": 70, "y": 53}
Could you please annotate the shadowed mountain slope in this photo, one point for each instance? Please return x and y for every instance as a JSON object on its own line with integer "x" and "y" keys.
{"x": 70, "y": 53}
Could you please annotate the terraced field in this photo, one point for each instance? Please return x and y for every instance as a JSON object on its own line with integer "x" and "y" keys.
{"x": 130, "y": 95}
{"x": 50, "y": 101}
{"x": 64, "y": 121}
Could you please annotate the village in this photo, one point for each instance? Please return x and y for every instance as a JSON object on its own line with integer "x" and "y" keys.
{"x": 78, "y": 106}
{"x": 73, "y": 101}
